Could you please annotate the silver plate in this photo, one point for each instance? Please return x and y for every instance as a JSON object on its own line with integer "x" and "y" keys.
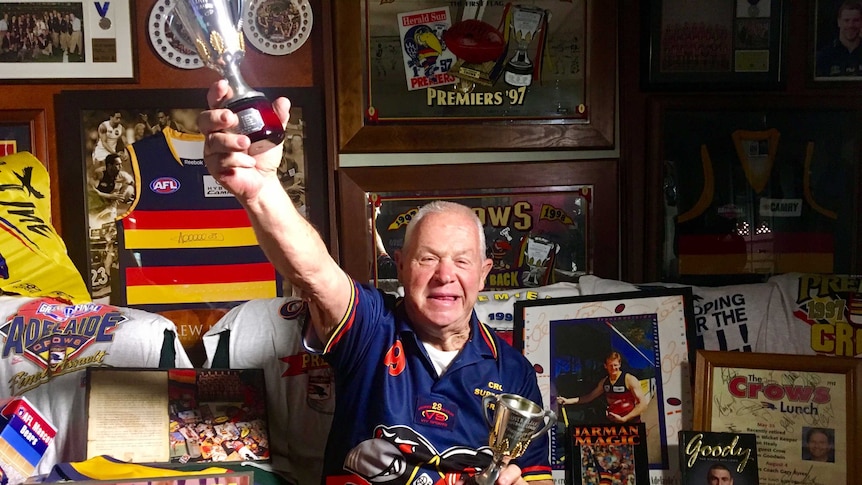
{"x": 169, "y": 39}
{"x": 277, "y": 27}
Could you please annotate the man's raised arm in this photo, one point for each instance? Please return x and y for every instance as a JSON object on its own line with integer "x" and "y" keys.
{"x": 288, "y": 239}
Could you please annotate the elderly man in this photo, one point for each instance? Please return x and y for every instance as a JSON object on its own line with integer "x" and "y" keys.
{"x": 410, "y": 373}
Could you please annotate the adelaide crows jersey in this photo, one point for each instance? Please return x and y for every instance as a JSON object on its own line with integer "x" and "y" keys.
{"x": 186, "y": 242}
{"x": 400, "y": 419}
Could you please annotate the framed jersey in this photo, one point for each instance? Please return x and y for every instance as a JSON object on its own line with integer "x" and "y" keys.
{"x": 155, "y": 231}
{"x": 752, "y": 187}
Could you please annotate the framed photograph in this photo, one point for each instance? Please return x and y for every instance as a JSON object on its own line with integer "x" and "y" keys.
{"x": 836, "y": 39}
{"x": 435, "y": 75}
{"x": 24, "y": 130}
{"x": 610, "y": 358}
{"x": 804, "y": 410}
{"x": 578, "y": 198}
{"x": 703, "y": 45}
{"x": 111, "y": 176}
{"x": 69, "y": 42}
{"x": 756, "y": 186}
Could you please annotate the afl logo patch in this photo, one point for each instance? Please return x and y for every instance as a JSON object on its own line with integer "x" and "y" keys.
{"x": 165, "y": 185}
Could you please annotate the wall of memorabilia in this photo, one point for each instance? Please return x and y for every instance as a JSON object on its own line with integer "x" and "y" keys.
{"x": 126, "y": 47}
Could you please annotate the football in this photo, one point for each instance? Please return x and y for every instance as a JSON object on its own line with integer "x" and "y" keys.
{"x": 474, "y": 41}
{"x": 621, "y": 408}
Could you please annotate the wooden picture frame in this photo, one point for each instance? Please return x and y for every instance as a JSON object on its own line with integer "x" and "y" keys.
{"x": 713, "y": 46}
{"x": 27, "y": 129}
{"x": 569, "y": 340}
{"x": 79, "y": 113}
{"x": 780, "y": 398}
{"x": 357, "y": 183}
{"x": 102, "y": 50}
{"x": 362, "y": 128}
{"x": 797, "y": 163}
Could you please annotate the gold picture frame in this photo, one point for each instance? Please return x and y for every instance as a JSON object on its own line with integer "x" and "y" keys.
{"x": 785, "y": 400}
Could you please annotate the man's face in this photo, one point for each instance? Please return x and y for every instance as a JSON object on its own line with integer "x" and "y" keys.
{"x": 115, "y": 119}
{"x": 163, "y": 119}
{"x": 442, "y": 270}
{"x": 612, "y": 366}
{"x": 818, "y": 446}
{"x": 849, "y": 23}
{"x": 719, "y": 477}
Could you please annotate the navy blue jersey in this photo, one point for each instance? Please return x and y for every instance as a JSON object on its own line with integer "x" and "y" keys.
{"x": 186, "y": 242}
{"x": 396, "y": 421}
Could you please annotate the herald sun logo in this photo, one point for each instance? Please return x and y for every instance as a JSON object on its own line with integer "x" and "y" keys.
{"x": 165, "y": 185}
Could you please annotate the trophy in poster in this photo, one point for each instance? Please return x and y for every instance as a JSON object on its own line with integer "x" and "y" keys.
{"x": 526, "y": 23}
{"x": 215, "y": 26}
{"x": 517, "y": 421}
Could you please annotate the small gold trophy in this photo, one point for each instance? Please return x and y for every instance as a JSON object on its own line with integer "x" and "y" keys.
{"x": 215, "y": 26}
{"x": 517, "y": 421}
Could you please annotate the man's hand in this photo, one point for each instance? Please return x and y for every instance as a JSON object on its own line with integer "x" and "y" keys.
{"x": 226, "y": 152}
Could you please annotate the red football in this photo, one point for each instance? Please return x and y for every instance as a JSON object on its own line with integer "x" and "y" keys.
{"x": 621, "y": 408}
{"x": 474, "y": 41}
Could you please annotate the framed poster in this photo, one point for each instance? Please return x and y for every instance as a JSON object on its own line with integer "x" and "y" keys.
{"x": 756, "y": 186}
{"x": 535, "y": 238}
{"x": 616, "y": 357}
{"x": 538, "y": 77}
{"x": 802, "y": 408}
{"x": 836, "y": 57}
{"x": 505, "y": 194}
{"x": 91, "y": 125}
{"x": 703, "y": 45}
{"x": 67, "y": 42}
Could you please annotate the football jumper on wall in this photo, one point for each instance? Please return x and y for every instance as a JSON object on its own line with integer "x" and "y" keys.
{"x": 186, "y": 242}
{"x": 267, "y": 334}
{"x": 48, "y": 346}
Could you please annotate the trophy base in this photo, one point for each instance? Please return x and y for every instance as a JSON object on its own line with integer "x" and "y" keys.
{"x": 518, "y": 75}
{"x": 258, "y": 121}
{"x": 485, "y": 73}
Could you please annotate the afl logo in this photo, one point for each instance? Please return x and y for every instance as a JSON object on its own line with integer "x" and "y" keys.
{"x": 165, "y": 185}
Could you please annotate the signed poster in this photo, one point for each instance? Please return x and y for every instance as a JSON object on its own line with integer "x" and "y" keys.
{"x": 799, "y": 418}
{"x": 573, "y": 343}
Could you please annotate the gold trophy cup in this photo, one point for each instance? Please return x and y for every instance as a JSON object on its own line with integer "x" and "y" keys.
{"x": 517, "y": 421}
{"x": 215, "y": 26}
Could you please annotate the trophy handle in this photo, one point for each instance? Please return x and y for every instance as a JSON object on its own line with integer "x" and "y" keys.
{"x": 486, "y": 403}
{"x": 551, "y": 419}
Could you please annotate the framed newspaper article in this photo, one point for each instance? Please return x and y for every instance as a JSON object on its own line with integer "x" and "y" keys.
{"x": 436, "y": 75}
{"x": 802, "y": 408}
{"x": 613, "y": 358}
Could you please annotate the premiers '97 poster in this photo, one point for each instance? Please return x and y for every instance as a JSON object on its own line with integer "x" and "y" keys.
{"x": 799, "y": 419}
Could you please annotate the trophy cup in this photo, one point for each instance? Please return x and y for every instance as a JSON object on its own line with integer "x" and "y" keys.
{"x": 526, "y": 22}
{"x": 215, "y": 26}
{"x": 517, "y": 421}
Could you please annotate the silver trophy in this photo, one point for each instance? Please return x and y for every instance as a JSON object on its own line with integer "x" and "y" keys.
{"x": 215, "y": 26}
{"x": 517, "y": 421}
{"x": 526, "y": 22}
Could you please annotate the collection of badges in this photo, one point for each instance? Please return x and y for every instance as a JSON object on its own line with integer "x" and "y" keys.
{"x": 275, "y": 27}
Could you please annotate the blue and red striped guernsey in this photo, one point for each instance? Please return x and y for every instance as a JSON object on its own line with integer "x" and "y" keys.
{"x": 186, "y": 241}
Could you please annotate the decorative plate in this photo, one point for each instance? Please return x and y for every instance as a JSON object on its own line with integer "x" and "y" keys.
{"x": 169, "y": 38}
{"x": 277, "y": 27}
